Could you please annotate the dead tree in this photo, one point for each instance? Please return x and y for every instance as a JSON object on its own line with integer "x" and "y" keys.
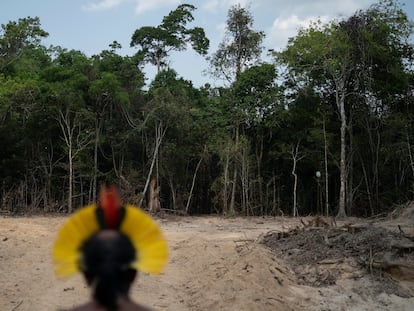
{"x": 296, "y": 157}
{"x": 154, "y": 205}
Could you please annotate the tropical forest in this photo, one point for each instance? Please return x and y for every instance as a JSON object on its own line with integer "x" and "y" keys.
{"x": 324, "y": 126}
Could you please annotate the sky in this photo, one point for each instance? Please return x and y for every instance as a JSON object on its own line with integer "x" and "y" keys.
{"x": 91, "y": 25}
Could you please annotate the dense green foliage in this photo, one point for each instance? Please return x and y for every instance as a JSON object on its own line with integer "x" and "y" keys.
{"x": 157, "y": 42}
{"x": 338, "y": 100}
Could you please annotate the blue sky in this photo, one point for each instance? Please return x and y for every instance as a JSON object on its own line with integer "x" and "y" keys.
{"x": 91, "y": 25}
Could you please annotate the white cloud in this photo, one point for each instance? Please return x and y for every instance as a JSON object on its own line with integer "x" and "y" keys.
{"x": 322, "y": 7}
{"x": 215, "y": 5}
{"x": 143, "y": 6}
{"x": 102, "y": 5}
{"x": 301, "y": 14}
{"x": 285, "y": 27}
{"x": 211, "y": 5}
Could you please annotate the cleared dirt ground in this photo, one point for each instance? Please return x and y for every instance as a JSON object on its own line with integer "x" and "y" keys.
{"x": 215, "y": 264}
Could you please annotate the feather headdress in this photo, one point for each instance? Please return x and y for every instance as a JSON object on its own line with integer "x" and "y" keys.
{"x": 143, "y": 232}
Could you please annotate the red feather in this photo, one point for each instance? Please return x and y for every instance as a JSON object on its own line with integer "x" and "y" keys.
{"x": 110, "y": 202}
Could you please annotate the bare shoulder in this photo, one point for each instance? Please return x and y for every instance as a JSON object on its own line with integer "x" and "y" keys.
{"x": 137, "y": 307}
{"x": 130, "y": 306}
{"x": 85, "y": 307}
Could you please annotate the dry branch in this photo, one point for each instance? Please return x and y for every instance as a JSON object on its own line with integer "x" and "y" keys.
{"x": 16, "y": 306}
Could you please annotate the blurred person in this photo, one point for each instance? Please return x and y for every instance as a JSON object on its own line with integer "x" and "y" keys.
{"x": 109, "y": 243}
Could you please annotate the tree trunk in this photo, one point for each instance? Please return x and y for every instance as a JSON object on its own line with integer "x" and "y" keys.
{"x": 368, "y": 186}
{"x": 48, "y": 166}
{"x": 154, "y": 205}
{"x": 173, "y": 193}
{"x": 326, "y": 168}
{"x": 95, "y": 160}
{"x": 226, "y": 181}
{"x": 376, "y": 170}
{"x": 296, "y": 158}
{"x": 245, "y": 181}
{"x": 259, "y": 156}
{"x": 187, "y": 208}
{"x": 350, "y": 170}
{"x": 410, "y": 154}
{"x": 75, "y": 144}
{"x": 70, "y": 192}
{"x": 159, "y": 135}
{"x": 67, "y": 128}
{"x": 340, "y": 99}
{"x": 232, "y": 208}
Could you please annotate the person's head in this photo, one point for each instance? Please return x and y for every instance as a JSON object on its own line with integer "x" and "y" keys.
{"x": 109, "y": 242}
{"x": 105, "y": 263}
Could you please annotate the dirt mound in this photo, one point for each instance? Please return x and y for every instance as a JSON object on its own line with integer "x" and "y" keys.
{"x": 321, "y": 256}
{"x": 403, "y": 212}
{"x": 408, "y": 213}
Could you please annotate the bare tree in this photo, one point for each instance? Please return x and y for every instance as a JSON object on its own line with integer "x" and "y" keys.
{"x": 326, "y": 168}
{"x": 159, "y": 135}
{"x": 296, "y": 157}
{"x": 154, "y": 205}
{"x": 76, "y": 140}
{"x": 187, "y": 208}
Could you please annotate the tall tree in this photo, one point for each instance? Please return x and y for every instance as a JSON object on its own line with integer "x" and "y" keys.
{"x": 16, "y": 36}
{"x": 171, "y": 35}
{"x": 76, "y": 139}
{"x": 172, "y": 141}
{"x": 256, "y": 96}
{"x": 240, "y": 48}
{"x": 381, "y": 56}
{"x": 325, "y": 51}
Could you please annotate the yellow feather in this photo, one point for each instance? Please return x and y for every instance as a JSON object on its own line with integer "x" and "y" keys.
{"x": 147, "y": 238}
{"x": 144, "y": 233}
{"x": 66, "y": 250}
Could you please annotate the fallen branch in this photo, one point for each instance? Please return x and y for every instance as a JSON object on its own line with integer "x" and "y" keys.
{"x": 180, "y": 212}
{"x": 16, "y": 306}
{"x": 356, "y": 228}
{"x": 244, "y": 240}
{"x": 385, "y": 264}
{"x": 330, "y": 261}
{"x": 399, "y": 270}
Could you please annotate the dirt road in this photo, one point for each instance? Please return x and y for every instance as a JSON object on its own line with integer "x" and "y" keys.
{"x": 215, "y": 264}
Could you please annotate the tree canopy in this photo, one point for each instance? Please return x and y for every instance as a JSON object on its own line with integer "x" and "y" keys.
{"x": 171, "y": 35}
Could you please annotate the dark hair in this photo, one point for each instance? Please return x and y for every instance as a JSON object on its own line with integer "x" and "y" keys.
{"x": 105, "y": 264}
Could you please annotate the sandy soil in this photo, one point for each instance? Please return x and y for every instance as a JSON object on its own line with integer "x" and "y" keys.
{"x": 215, "y": 264}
